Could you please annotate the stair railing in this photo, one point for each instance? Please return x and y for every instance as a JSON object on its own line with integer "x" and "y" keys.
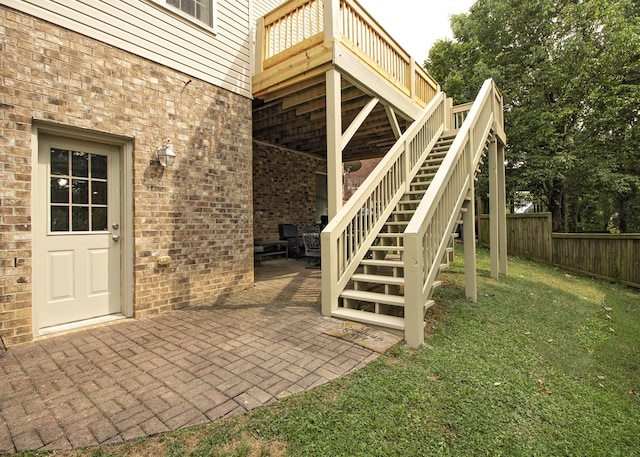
{"x": 429, "y": 231}
{"x": 348, "y": 236}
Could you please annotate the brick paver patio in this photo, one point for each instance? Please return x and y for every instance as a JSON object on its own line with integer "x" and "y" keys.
{"x": 187, "y": 367}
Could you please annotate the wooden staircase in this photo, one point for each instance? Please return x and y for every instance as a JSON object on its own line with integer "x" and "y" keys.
{"x": 375, "y": 294}
{"x": 382, "y": 253}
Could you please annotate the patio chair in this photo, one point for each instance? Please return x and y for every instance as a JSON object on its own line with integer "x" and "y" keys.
{"x": 311, "y": 239}
{"x": 289, "y": 232}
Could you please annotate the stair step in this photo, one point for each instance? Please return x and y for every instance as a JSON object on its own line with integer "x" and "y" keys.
{"x": 365, "y": 317}
{"x": 409, "y": 202}
{"x": 372, "y": 297}
{"x": 389, "y": 235}
{"x": 387, "y": 248}
{"x": 382, "y": 263}
{"x": 424, "y": 177}
{"x": 397, "y": 223}
{"x": 379, "y": 279}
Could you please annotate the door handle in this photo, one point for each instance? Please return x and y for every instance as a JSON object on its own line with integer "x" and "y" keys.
{"x": 115, "y": 237}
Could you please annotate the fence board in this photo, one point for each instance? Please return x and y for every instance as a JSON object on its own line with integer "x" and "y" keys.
{"x": 528, "y": 235}
{"x": 607, "y": 256}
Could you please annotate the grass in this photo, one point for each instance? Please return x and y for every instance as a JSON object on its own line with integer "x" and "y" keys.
{"x": 544, "y": 364}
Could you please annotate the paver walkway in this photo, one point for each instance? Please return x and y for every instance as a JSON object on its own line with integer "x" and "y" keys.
{"x": 188, "y": 367}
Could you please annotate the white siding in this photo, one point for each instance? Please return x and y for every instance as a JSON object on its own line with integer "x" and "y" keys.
{"x": 157, "y": 33}
{"x": 262, "y": 7}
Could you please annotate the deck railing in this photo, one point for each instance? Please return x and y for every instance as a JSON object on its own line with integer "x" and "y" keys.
{"x": 460, "y": 113}
{"x": 427, "y": 236}
{"x": 290, "y": 29}
{"x": 300, "y": 25}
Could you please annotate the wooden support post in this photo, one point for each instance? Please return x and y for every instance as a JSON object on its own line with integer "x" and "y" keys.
{"x": 413, "y": 304}
{"x": 469, "y": 240}
{"x": 493, "y": 209}
{"x": 334, "y": 143}
{"x": 329, "y": 252}
{"x": 502, "y": 213}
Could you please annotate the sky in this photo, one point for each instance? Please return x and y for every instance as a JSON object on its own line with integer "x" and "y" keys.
{"x": 416, "y": 24}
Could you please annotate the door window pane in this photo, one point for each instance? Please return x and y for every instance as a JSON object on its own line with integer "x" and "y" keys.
{"x": 98, "y": 192}
{"x": 59, "y": 162}
{"x": 60, "y": 219}
{"x": 80, "y": 164}
{"x": 80, "y": 219}
{"x": 98, "y": 166}
{"x": 59, "y": 190}
{"x": 80, "y": 191}
{"x": 99, "y": 219}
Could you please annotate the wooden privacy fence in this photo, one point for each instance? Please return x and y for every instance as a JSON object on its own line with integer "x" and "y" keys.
{"x": 602, "y": 255}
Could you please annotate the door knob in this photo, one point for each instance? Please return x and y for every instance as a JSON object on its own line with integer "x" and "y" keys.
{"x": 115, "y": 237}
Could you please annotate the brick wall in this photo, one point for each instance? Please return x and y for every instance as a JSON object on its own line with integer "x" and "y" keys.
{"x": 199, "y": 211}
{"x": 284, "y": 189}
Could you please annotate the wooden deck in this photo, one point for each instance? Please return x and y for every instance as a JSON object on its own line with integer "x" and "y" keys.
{"x": 298, "y": 43}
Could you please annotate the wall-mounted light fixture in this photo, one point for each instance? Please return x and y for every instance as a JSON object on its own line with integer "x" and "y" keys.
{"x": 350, "y": 167}
{"x": 165, "y": 154}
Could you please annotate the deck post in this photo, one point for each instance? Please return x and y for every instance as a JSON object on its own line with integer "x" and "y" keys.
{"x": 259, "y": 48}
{"x": 448, "y": 114}
{"x": 493, "y": 209}
{"x": 502, "y": 214}
{"x": 469, "y": 240}
{"x": 331, "y": 20}
{"x": 413, "y": 302}
{"x": 334, "y": 142}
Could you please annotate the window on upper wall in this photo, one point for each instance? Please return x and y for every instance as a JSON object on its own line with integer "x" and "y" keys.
{"x": 200, "y": 10}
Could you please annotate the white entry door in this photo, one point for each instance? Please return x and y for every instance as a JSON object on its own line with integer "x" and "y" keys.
{"x": 78, "y": 261}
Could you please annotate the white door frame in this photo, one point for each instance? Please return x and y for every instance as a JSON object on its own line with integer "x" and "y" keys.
{"x": 125, "y": 145}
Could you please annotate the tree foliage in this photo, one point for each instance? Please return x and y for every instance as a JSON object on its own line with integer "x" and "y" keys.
{"x": 569, "y": 71}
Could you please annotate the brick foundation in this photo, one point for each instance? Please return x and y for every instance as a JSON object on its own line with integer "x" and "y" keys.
{"x": 284, "y": 189}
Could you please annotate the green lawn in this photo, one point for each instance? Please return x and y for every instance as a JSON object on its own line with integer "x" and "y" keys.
{"x": 544, "y": 364}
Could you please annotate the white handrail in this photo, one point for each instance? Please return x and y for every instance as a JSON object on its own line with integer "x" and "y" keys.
{"x": 428, "y": 234}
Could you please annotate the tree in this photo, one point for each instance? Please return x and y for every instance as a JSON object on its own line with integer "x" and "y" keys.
{"x": 569, "y": 74}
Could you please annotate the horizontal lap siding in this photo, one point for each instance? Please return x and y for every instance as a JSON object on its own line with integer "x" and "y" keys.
{"x": 156, "y": 33}
{"x": 262, "y": 7}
